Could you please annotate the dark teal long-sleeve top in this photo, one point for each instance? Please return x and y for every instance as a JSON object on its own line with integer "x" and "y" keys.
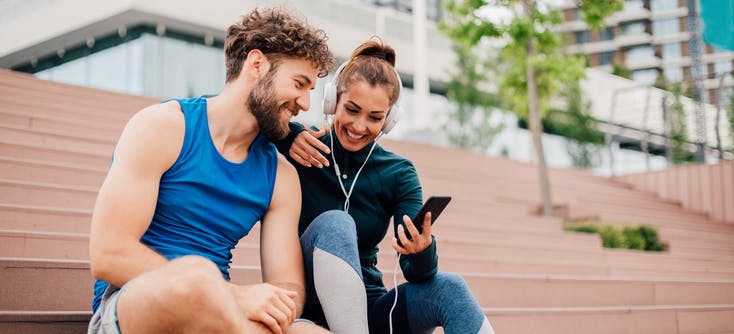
{"x": 388, "y": 186}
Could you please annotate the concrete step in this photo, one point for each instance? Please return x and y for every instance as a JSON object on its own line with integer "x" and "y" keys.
{"x": 55, "y": 140}
{"x": 44, "y": 218}
{"x": 31, "y": 121}
{"x": 44, "y": 322}
{"x": 46, "y": 245}
{"x": 47, "y": 194}
{"x": 100, "y": 105}
{"x": 657, "y": 319}
{"x": 687, "y": 319}
{"x": 25, "y": 150}
{"x": 73, "y": 109}
{"x": 28, "y": 287}
{"x": 50, "y": 89}
{"x": 30, "y": 170}
{"x": 45, "y": 285}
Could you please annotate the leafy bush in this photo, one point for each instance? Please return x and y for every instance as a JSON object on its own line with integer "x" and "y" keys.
{"x": 639, "y": 237}
{"x": 633, "y": 238}
{"x": 612, "y": 237}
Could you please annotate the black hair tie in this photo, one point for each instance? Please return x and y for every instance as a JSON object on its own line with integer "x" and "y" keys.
{"x": 380, "y": 55}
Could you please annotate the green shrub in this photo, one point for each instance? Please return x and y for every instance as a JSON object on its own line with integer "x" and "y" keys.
{"x": 582, "y": 228}
{"x": 634, "y": 238}
{"x": 639, "y": 237}
{"x": 652, "y": 243}
{"x": 612, "y": 237}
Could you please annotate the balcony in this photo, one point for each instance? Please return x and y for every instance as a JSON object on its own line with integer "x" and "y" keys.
{"x": 668, "y": 14}
{"x": 633, "y": 39}
{"x": 643, "y": 62}
{"x": 671, "y": 38}
{"x": 572, "y": 26}
{"x": 597, "y": 47}
{"x": 629, "y": 15}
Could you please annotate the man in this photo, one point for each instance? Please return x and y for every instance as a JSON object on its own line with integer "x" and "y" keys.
{"x": 190, "y": 178}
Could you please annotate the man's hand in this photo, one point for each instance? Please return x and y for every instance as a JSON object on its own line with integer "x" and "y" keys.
{"x": 419, "y": 242}
{"x": 272, "y": 306}
{"x": 306, "y": 146}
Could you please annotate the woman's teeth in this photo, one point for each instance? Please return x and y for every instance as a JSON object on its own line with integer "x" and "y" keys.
{"x": 353, "y": 136}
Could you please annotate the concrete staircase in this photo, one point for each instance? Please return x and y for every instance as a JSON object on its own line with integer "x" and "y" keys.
{"x": 528, "y": 274}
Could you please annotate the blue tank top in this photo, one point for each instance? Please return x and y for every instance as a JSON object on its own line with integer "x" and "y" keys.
{"x": 206, "y": 203}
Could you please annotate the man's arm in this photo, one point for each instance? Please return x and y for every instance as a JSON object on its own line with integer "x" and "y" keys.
{"x": 280, "y": 248}
{"x": 148, "y": 146}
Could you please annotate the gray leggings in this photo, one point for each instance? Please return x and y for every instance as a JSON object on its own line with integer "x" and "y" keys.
{"x": 443, "y": 301}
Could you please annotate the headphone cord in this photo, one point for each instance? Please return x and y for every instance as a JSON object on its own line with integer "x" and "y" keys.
{"x": 338, "y": 172}
{"x": 346, "y": 204}
{"x": 395, "y": 286}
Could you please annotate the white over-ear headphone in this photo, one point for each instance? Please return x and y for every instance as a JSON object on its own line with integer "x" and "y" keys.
{"x": 329, "y": 102}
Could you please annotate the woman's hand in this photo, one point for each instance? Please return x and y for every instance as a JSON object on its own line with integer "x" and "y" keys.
{"x": 306, "y": 146}
{"x": 419, "y": 242}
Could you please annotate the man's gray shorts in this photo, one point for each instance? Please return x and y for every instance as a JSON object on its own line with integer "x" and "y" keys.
{"x": 104, "y": 321}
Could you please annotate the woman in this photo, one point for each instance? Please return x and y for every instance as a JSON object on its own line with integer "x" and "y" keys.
{"x": 347, "y": 208}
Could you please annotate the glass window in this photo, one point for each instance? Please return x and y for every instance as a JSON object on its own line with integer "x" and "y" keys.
{"x": 671, "y": 51}
{"x": 108, "y": 69}
{"x": 662, "y": 5}
{"x": 150, "y": 65}
{"x": 606, "y": 34}
{"x": 673, "y": 74}
{"x": 722, "y": 66}
{"x": 582, "y": 36}
{"x": 640, "y": 53}
{"x": 665, "y": 27}
{"x": 636, "y": 27}
{"x": 73, "y": 72}
{"x": 645, "y": 77}
{"x": 433, "y": 9}
{"x": 633, "y": 5}
{"x": 606, "y": 58}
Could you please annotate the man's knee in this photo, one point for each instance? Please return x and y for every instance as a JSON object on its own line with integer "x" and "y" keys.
{"x": 306, "y": 328}
{"x": 192, "y": 279}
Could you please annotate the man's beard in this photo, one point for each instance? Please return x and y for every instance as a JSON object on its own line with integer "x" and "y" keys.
{"x": 264, "y": 106}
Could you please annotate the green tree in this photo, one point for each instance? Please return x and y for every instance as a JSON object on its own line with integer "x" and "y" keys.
{"x": 621, "y": 70}
{"x": 535, "y": 66}
{"x": 575, "y": 123}
{"x": 469, "y": 126}
{"x": 680, "y": 153}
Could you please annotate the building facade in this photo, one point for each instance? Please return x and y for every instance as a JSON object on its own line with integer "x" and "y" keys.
{"x": 650, "y": 41}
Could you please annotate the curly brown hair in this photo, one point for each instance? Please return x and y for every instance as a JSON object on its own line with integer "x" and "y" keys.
{"x": 278, "y": 34}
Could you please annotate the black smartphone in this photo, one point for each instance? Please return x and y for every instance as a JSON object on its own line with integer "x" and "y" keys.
{"x": 434, "y": 205}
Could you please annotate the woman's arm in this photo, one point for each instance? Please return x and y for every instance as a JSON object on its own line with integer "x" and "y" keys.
{"x": 302, "y": 145}
{"x": 419, "y": 261}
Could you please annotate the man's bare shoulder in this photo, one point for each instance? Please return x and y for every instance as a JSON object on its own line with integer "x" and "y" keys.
{"x": 286, "y": 183}
{"x": 284, "y": 166}
{"x": 154, "y": 134}
{"x": 167, "y": 114}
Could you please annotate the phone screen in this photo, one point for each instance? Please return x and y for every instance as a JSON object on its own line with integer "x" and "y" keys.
{"x": 434, "y": 205}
